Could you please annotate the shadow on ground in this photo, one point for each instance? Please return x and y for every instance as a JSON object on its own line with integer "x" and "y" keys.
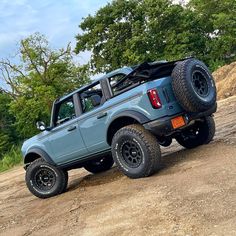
{"x": 168, "y": 161}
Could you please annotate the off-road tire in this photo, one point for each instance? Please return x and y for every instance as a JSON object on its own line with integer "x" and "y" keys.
{"x": 66, "y": 180}
{"x": 193, "y": 86}
{"x": 145, "y": 147}
{"x": 98, "y": 166}
{"x": 33, "y": 180}
{"x": 206, "y": 132}
{"x": 210, "y": 124}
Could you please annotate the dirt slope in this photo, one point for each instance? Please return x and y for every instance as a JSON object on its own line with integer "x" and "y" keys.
{"x": 194, "y": 194}
{"x": 225, "y": 78}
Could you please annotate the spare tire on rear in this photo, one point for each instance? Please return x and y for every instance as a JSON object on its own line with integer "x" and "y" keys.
{"x": 193, "y": 85}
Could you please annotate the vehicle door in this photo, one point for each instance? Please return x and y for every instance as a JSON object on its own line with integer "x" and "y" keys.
{"x": 65, "y": 138}
{"x": 94, "y": 117}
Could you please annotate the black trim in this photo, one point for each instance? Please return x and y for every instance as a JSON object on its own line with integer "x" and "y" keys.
{"x": 195, "y": 115}
{"x": 41, "y": 153}
{"x": 101, "y": 115}
{"x": 78, "y": 163}
{"x": 163, "y": 126}
{"x": 141, "y": 118}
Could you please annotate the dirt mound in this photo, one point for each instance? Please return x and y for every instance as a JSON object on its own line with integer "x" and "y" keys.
{"x": 225, "y": 78}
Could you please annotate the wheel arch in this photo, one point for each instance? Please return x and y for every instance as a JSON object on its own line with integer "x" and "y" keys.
{"x": 35, "y": 153}
{"x": 122, "y": 119}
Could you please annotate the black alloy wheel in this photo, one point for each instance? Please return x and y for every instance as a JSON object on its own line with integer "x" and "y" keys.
{"x": 132, "y": 153}
{"x": 44, "y": 179}
{"x": 200, "y": 84}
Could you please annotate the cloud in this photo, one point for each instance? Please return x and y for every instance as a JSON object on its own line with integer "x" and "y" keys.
{"x": 58, "y": 20}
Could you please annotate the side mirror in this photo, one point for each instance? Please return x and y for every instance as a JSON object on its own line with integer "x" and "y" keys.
{"x": 41, "y": 125}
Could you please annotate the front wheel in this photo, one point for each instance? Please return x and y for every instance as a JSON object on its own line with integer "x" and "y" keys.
{"x": 202, "y": 132}
{"x": 136, "y": 151}
{"x": 100, "y": 165}
{"x": 45, "y": 180}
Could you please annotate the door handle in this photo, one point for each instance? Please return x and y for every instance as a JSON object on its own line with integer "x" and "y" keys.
{"x": 102, "y": 115}
{"x": 71, "y": 128}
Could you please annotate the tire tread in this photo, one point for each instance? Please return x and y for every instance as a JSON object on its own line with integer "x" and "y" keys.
{"x": 151, "y": 145}
{"x": 63, "y": 179}
{"x": 182, "y": 90}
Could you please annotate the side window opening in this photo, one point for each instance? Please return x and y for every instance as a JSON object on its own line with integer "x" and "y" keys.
{"x": 91, "y": 98}
{"x": 119, "y": 84}
{"x": 114, "y": 82}
{"x": 65, "y": 111}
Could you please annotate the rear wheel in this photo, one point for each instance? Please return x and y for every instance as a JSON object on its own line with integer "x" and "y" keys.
{"x": 136, "y": 151}
{"x": 45, "y": 180}
{"x": 202, "y": 132}
{"x": 100, "y": 165}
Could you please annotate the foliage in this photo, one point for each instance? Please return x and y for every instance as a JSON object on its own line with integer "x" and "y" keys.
{"x": 11, "y": 158}
{"x": 42, "y": 76}
{"x": 8, "y": 135}
{"x": 218, "y": 19}
{"x": 129, "y": 32}
{"x": 4, "y": 143}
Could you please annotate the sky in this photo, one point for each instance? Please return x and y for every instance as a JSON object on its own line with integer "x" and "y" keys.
{"x": 57, "y": 19}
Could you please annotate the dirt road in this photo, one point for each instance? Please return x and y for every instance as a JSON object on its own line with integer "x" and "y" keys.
{"x": 194, "y": 194}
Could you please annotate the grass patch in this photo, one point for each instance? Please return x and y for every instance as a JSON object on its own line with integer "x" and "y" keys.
{"x": 12, "y": 158}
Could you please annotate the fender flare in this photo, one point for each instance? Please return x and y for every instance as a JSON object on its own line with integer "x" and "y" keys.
{"x": 140, "y": 117}
{"x": 41, "y": 153}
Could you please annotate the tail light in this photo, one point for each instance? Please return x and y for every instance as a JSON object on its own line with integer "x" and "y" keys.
{"x": 154, "y": 98}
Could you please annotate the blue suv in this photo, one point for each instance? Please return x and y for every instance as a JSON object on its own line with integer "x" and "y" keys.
{"x": 123, "y": 117}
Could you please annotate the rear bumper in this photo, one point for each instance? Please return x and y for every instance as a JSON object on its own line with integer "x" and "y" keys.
{"x": 163, "y": 126}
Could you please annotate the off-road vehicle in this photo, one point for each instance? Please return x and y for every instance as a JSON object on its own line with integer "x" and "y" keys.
{"x": 123, "y": 117}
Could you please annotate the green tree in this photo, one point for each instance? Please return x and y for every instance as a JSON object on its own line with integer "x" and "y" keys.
{"x": 129, "y": 32}
{"x": 8, "y": 136}
{"x": 41, "y": 76}
{"x": 218, "y": 19}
